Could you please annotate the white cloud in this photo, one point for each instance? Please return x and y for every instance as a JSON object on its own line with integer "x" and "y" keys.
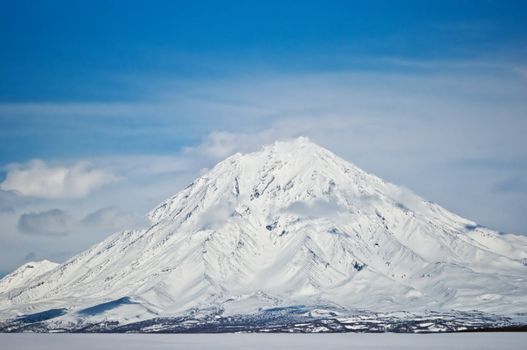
{"x": 316, "y": 209}
{"x": 9, "y": 200}
{"x": 406, "y": 198}
{"x": 217, "y": 145}
{"x": 38, "y": 179}
{"x": 216, "y": 216}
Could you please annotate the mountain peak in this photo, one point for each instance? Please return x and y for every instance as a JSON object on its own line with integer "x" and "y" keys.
{"x": 278, "y": 175}
{"x": 298, "y": 155}
{"x": 300, "y": 146}
{"x": 291, "y": 224}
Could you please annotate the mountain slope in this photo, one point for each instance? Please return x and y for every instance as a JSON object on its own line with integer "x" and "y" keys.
{"x": 290, "y": 225}
{"x": 25, "y": 273}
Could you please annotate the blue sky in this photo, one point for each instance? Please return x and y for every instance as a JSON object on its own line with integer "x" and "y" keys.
{"x": 121, "y": 51}
{"x": 132, "y": 99}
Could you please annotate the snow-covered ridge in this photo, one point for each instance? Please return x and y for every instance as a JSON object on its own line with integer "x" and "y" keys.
{"x": 25, "y": 273}
{"x": 291, "y": 224}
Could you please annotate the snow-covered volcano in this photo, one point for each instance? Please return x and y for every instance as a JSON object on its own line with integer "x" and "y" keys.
{"x": 291, "y": 227}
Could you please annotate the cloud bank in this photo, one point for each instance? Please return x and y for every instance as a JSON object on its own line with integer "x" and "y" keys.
{"x": 9, "y": 200}
{"x": 57, "y": 222}
{"x": 54, "y": 222}
{"x": 38, "y": 179}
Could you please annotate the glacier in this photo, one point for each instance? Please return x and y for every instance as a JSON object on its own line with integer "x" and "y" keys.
{"x": 290, "y": 238}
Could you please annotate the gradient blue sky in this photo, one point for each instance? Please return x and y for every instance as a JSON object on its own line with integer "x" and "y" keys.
{"x": 134, "y": 98}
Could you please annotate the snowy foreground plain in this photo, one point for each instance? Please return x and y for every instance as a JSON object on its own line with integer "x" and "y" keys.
{"x": 264, "y": 341}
